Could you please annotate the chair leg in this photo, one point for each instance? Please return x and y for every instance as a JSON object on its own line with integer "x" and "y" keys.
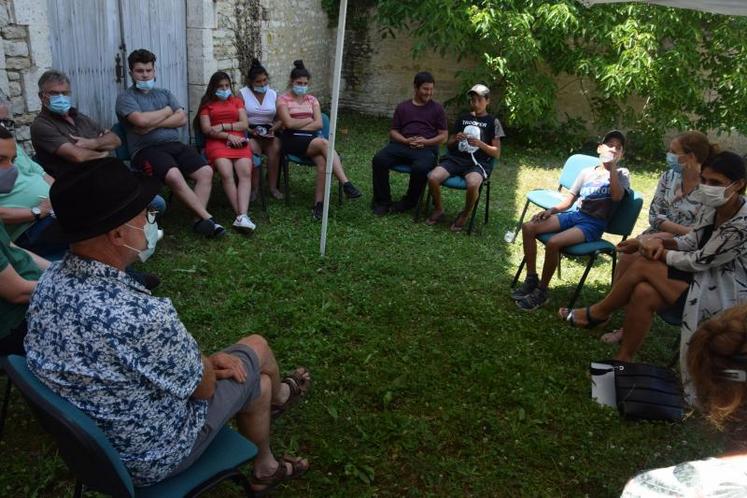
{"x": 427, "y": 205}
{"x": 419, "y": 206}
{"x": 78, "y": 493}
{"x": 339, "y": 193}
{"x": 6, "y": 403}
{"x": 560, "y": 258}
{"x": 487, "y": 200}
{"x": 285, "y": 180}
{"x": 242, "y": 481}
{"x": 614, "y": 265}
{"x": 580, "y": 285}
{"x": 521, "y": 219}
{"x": 518, "y": 272}
{"x": 474, "y": 212}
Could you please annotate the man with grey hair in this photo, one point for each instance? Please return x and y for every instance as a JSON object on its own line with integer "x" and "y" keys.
{"x": 62, "y": 136}
{"x": 25, "y": 209}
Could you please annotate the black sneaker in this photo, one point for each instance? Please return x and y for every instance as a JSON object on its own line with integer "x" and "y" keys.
{"x": 380, "y": 209}
{"x": 533, "y": 300}
{"x": 209, "y": 228}
{"x": 350, "y": 191}
{"x": 317, "y": 211}
{"x": 401, "y": 206}
{"x": 528, "y": 286}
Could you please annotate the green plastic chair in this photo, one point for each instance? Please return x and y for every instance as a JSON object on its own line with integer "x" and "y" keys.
{"x": 97, "y": 465}
{"x": 305, "y": 161}
{"x": 459, "y": 183}
{"x": 547, "y": 198}
{"x": 621, "y": 223}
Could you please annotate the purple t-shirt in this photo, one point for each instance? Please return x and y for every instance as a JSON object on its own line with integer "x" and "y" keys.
{"x": 419, "y": 120}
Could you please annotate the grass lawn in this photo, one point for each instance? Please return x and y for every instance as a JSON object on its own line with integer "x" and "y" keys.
{"x": 428, "y": 380}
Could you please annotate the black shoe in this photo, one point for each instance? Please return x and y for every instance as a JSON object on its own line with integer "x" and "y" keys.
{"x": 350, "y": 191}
{"x": 402, "y": 206}
{"x": 149, "y": 280}
{"x": 317, "y": 211}
{"x": 533, "y": 300}
{"x": 380, "y": 209}
{"x": 531, "y": 283}
{"x": 209, "y": 228}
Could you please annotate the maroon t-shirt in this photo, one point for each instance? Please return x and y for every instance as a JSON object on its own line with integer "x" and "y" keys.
{"x": 419, "y": 120}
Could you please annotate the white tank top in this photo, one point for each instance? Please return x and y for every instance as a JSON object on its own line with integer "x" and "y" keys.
{"x": 259, "y": 114}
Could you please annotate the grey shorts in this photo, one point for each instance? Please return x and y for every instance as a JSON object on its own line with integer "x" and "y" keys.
{"x": 229, "y": 399}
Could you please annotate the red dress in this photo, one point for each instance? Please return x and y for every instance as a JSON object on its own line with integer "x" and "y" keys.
{"x": 224, "y": 112}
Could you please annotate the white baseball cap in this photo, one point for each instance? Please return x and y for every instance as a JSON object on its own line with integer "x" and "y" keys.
{"x": 480, "y": 90}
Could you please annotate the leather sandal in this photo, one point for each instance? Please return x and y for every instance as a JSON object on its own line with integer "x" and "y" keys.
{"x": 591, "y": 322}
{"x": 280, "y": 476}
{"x": 298, "y": 388}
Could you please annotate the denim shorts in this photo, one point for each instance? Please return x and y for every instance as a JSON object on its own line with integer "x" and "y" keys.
{"x": 593, "y": 228}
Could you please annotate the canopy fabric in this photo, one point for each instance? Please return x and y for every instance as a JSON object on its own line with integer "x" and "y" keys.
{"x": 728, "y": 7}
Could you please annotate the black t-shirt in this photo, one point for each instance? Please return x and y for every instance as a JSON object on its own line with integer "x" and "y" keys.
{"x": 490, "y": 128}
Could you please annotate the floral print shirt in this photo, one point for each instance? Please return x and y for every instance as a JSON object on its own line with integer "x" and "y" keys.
{"x": 99, "y": 339}
{"x": 670, "y": 204}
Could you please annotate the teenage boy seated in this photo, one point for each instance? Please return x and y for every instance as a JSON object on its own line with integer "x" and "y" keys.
{"x": 475, "y": 140}
{"x": 593, "y": 196}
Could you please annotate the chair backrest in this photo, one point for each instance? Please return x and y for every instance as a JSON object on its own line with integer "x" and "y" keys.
{"x": 573, "y": 166}
{"x": 83, "y": 446}
{"x": 325, "y": 125}
{"x": 626, "y": 214}
{"x": 122, "y": 152}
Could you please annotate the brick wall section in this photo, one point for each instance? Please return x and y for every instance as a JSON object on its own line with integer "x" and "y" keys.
{"x": 14, "y": 61}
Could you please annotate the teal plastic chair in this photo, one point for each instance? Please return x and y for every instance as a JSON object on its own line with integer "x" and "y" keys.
{"x": 547, "y": 198}
{"x": 305, "y": 161}
{"x": 459, "y": 183}
{"x": 621, "y": 223}
{"x": 122, "y": 152}
{"x": 97, "y": 465}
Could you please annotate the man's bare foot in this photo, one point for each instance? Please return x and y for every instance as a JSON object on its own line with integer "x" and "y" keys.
{"x": 435, "y": 217}
{"x": 277, "y": 194}
{"x": 612, "y": 337}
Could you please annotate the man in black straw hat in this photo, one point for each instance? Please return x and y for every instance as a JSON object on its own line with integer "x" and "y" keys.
{"x": 99, "y": 339}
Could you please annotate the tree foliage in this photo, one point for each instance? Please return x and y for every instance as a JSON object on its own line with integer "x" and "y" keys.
{"x": 646, "y": 68}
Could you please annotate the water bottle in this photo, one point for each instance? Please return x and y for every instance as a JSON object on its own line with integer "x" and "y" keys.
{"x": 509, "y": 236}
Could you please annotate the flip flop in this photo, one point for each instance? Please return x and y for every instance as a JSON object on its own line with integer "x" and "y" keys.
{"x": 298, "y": 386}
{"x": 456, "y": 227}
{"x": 280, "y": 476}
{"x": 591, "y": 322}
{"x": 432, "y": 220}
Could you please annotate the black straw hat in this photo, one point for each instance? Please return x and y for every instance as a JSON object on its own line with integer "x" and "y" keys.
{"x": 98, "y": 196}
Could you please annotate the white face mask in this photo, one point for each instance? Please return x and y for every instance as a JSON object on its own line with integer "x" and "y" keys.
{"x": 152, "y": 236}
{"x": 711, "y": 195}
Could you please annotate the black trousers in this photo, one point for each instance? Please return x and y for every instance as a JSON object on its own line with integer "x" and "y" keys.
{"x": 420, "y": 160}
{"x": 13, "y": 342}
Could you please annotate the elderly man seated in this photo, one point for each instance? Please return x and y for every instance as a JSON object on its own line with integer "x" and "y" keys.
{"x": 24, "y": 194}
{"x": 100, "y": 340}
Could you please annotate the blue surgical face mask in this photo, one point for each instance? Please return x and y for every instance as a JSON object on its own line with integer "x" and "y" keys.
{"x": 223, "y": 94}
{"x": 152, "y": 236}
{"x": 145, "y": 85}
{"x": 673, "y": 162}
{"x": 300, "y": 89}
{"x": 8, "y": 178}
{"x": 261, "y": 89}
{"x": 59, "y": 104}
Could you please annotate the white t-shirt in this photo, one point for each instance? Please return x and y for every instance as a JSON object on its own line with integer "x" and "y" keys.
{"x": 259, "y": 114}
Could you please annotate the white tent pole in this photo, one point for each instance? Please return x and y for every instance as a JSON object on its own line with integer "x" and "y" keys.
{"x": 333, "y": 120}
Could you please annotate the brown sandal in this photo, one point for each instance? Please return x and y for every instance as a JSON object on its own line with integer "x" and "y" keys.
{"x": 456, "y": 226}
{"x": 280, "y": 476}
{"x": 298, "y": 388}
{"x": 433, "y": 218}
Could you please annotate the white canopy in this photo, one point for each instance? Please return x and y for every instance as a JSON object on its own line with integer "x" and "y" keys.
{"x": 729, "y": 7}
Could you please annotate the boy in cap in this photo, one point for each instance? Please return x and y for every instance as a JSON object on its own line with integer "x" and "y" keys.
{"x": 593, "y": 195}
{"x": 475, "y": 140}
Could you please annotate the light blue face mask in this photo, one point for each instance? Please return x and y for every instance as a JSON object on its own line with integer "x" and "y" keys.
{"x": 146, "y": 85}
{"x": 673, "y": 162}
{"x": 152, "y": 236}
{"x": 300, "y": 89}
{"x": 8, "y": 177}
{"x": 59, "y": 104}
{"x": 223, "y": 94}
{"x": 261, "y": 89}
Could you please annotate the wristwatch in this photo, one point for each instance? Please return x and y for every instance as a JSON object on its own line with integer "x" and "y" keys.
{"x": 36, "y": 212}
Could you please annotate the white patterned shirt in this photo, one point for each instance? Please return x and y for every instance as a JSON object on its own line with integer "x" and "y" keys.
{"x": 99, "y": 339}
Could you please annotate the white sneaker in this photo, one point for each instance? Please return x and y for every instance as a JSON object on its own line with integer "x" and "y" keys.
{"x": 243, "y": 222}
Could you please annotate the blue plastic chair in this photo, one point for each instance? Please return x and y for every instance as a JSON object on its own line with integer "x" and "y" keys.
{"x": 459, "y": 183}
{"x": 547, "y": 198}
{"x": 122, "y": 152}
{"x": 198, "y": 140}
{"x": 621, "y": 223}
{"x": 97, "y": 465}
{"x": 305, "y": 161}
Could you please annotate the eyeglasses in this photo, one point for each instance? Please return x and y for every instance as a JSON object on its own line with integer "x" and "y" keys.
{"x": 8, "y": 124}
{"x": 150, "y": 216}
